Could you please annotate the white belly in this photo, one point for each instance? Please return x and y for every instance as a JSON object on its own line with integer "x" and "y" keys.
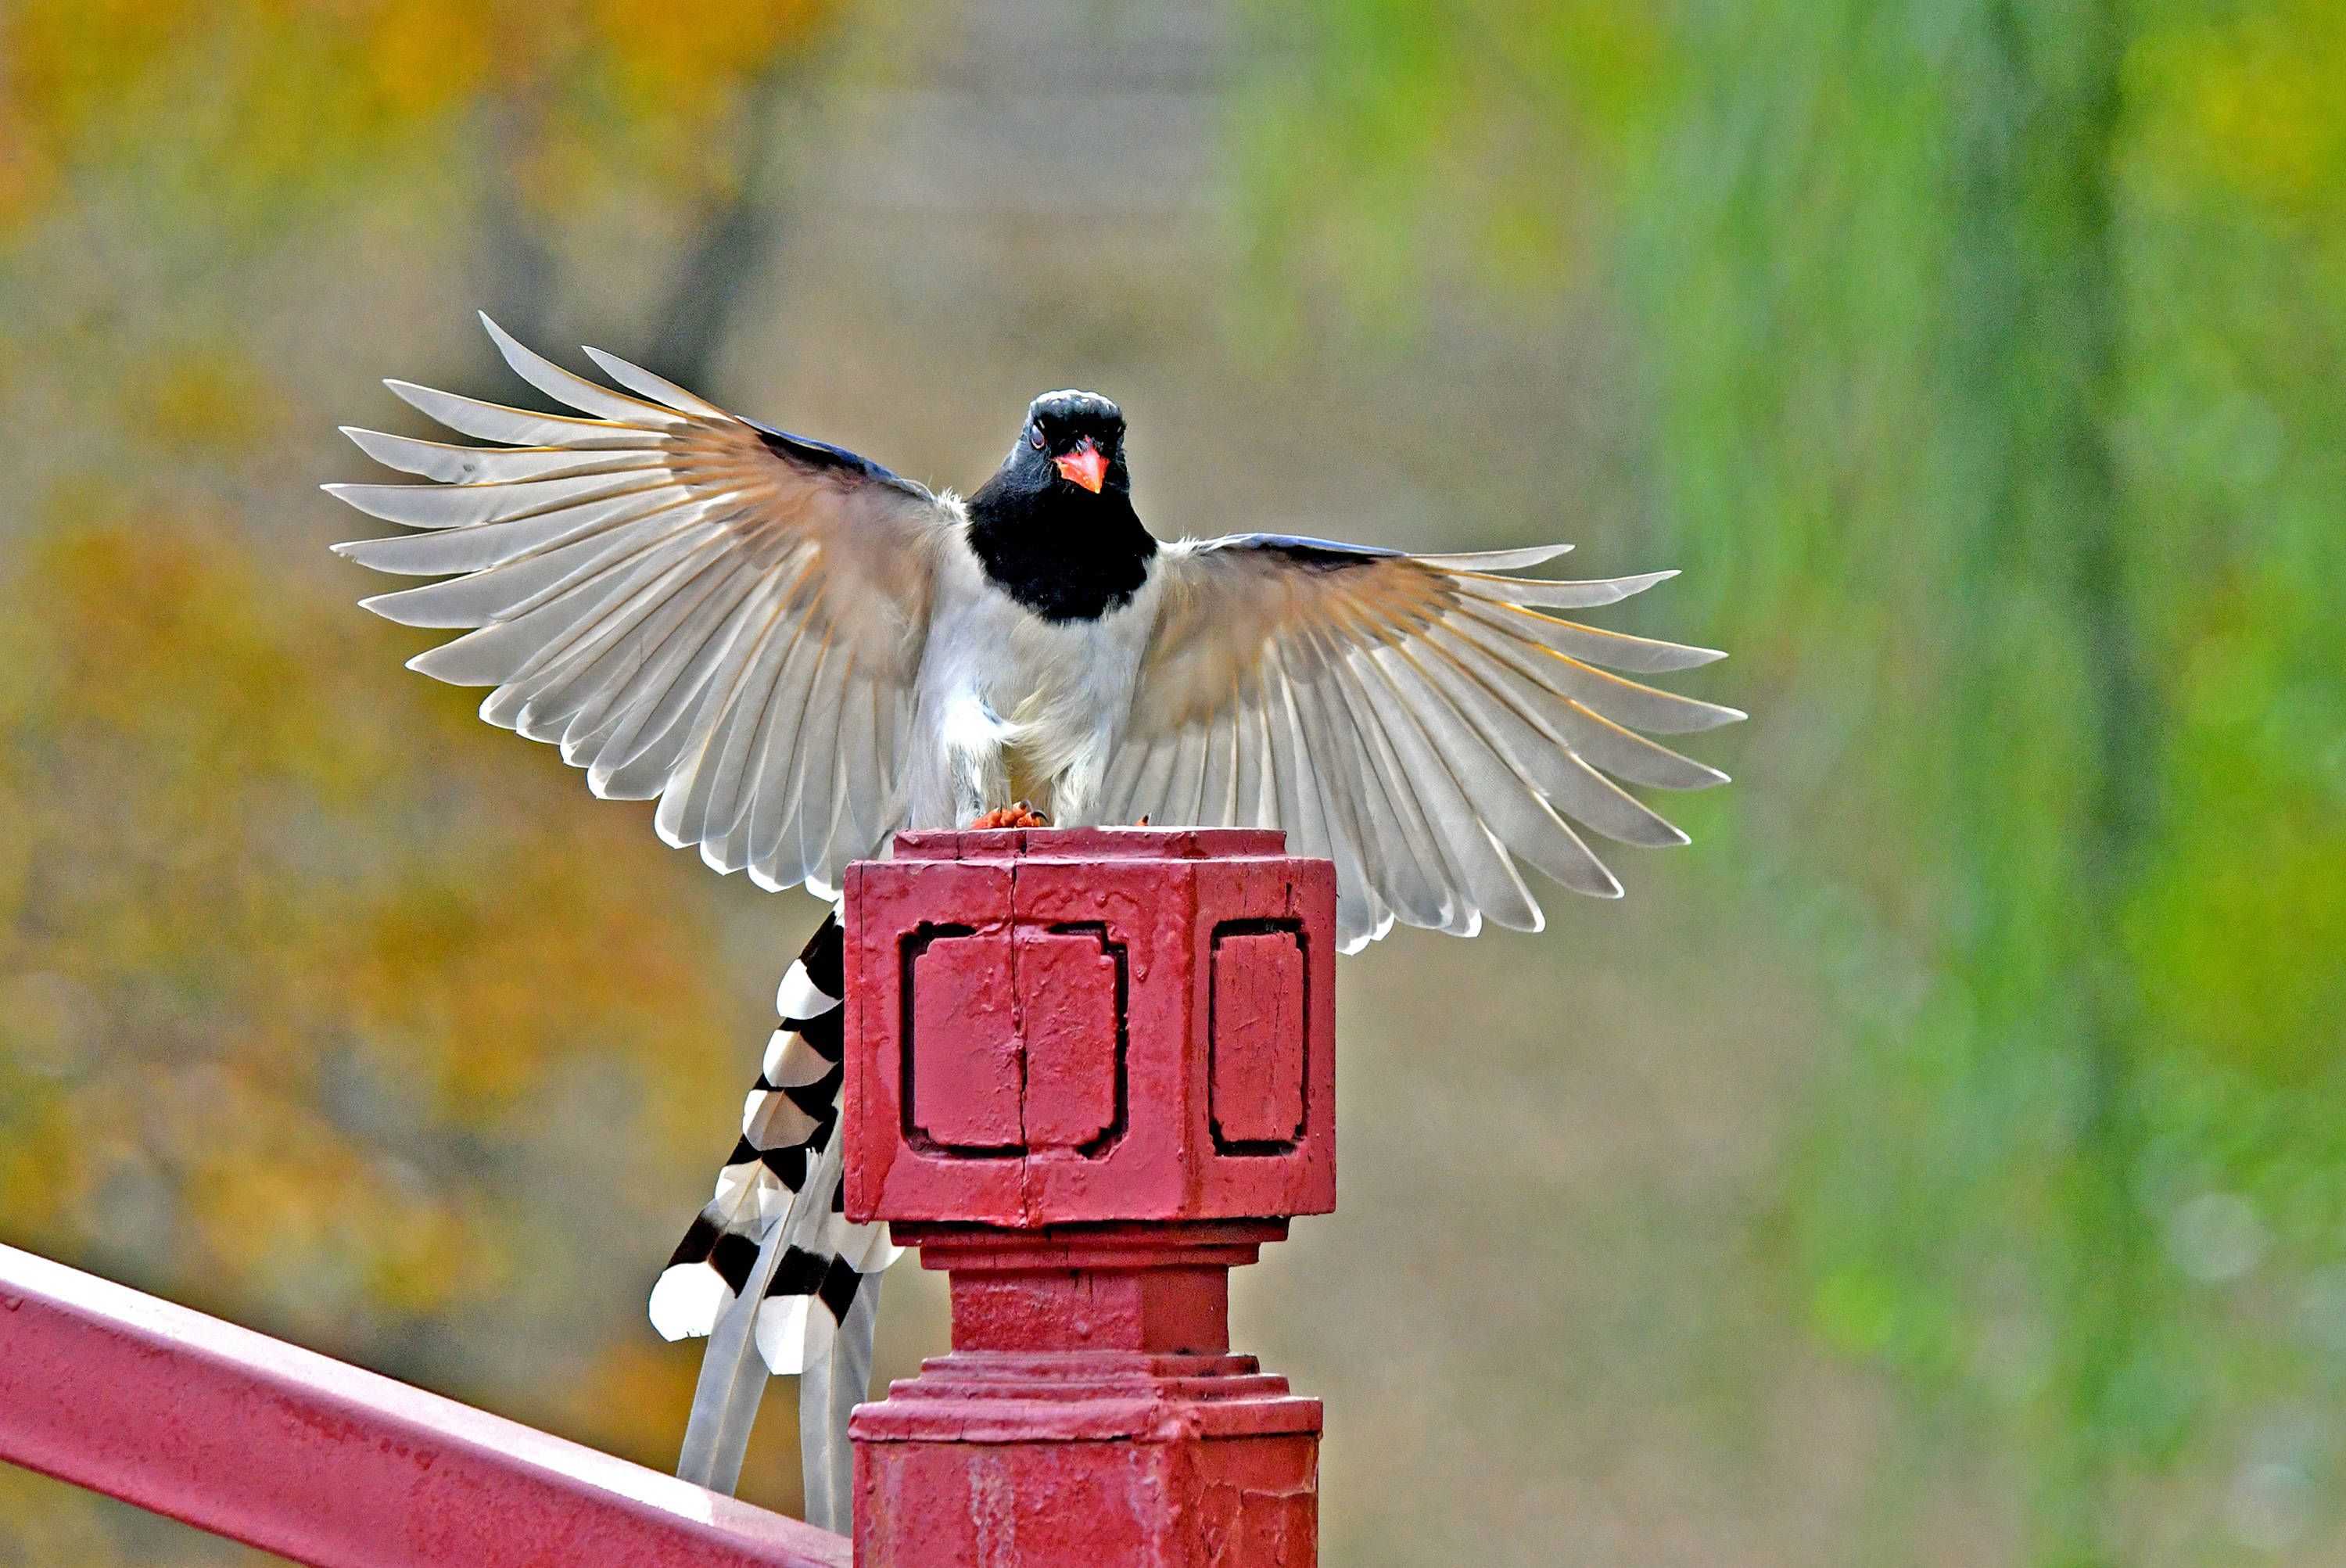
{"x": 1009, "y": 705}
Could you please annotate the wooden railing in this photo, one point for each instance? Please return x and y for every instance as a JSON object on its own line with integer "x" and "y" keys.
{"x": 1088, "y": 1072}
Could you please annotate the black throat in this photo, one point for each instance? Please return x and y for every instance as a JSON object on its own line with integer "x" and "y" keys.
{"x": 1064, "y": 553}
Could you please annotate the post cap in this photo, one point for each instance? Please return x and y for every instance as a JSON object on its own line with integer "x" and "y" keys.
{"x": 1052, "y": 1026}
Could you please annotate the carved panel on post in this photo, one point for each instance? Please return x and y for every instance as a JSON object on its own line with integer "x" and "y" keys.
{"x": 1255, "y": 1039}
{"x": 962, "y": 1063}
{"x": 1088, "y": 1072}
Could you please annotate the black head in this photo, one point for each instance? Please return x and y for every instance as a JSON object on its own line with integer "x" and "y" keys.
{"x": 1055, "y": 526}
{"x": 1076, "y": 438}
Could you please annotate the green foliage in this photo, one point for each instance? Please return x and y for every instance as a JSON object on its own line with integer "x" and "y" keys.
{"x": 1408, "y": 139}
{"x": 1994, "y": 360}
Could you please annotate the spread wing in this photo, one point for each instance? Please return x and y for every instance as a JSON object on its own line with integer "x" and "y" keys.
{"x": 1422, "y": 720}
{"x": 695, "y": 607}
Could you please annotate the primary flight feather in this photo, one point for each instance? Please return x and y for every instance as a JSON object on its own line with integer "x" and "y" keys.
{"x": 796, "y": 652}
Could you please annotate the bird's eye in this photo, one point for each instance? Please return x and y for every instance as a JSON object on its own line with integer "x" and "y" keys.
{"x": 1034, "y": 435}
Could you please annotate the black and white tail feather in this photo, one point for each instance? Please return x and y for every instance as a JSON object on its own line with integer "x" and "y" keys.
{"x": 771, "y": 1270}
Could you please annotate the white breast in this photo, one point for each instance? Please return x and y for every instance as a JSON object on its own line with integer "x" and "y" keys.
{"x": 1001, "y": 690}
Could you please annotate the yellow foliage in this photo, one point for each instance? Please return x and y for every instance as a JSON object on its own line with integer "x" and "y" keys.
{"x": 2273, "y": 109}
{"x": 206, "y": 399}
{"x": 281, "y": 923}
{"x": 2258, "y": 98}
{"x": 265, "y": 101}
{"x": 322, "y": 1005}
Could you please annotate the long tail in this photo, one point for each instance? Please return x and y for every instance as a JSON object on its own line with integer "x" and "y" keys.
{"x": 771, "y": 1270}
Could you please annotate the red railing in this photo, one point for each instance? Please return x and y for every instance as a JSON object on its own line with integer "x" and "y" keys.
{"x": 1088, "y": 1072}
{"x": 273, "y": 1445}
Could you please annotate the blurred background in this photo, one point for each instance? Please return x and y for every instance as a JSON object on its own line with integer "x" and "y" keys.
{"x": 1942, "y": 1162}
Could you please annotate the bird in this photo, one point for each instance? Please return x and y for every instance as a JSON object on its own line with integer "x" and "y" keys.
{"x": 797, "y": 653}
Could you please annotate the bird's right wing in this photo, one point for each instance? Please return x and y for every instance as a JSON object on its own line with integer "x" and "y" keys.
{"x": 693, "y": 607}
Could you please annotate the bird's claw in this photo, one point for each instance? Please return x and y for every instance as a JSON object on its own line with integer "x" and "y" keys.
{"x": 1022, "y": 815}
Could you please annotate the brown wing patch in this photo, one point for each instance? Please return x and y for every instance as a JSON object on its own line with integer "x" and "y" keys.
{"x": 1413, "y": 718}
{"x": 1201, "y": 656}
{"x": 778, "y": 509}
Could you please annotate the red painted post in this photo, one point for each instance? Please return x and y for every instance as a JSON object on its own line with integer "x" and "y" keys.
{"x": 326, "y": 1463}
{"x": 1088, "y": 1072}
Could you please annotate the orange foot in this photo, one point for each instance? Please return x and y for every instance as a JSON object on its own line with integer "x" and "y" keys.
{"x": 1022, "y": 815}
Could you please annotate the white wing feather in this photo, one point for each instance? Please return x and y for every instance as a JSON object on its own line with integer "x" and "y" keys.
{"x": 1420, "y": 720}
{"x": 693, "y": 608}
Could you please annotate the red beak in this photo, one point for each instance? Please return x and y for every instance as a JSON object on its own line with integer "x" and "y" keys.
{"x": 1087, "y": 465}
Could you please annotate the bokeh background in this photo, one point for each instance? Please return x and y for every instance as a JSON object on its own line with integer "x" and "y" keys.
{"x": 1942, "y": 1162}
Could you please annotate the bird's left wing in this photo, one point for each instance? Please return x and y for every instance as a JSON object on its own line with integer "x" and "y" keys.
{"x": 693, "y": 607}
{"x": 1422, "y": 720}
